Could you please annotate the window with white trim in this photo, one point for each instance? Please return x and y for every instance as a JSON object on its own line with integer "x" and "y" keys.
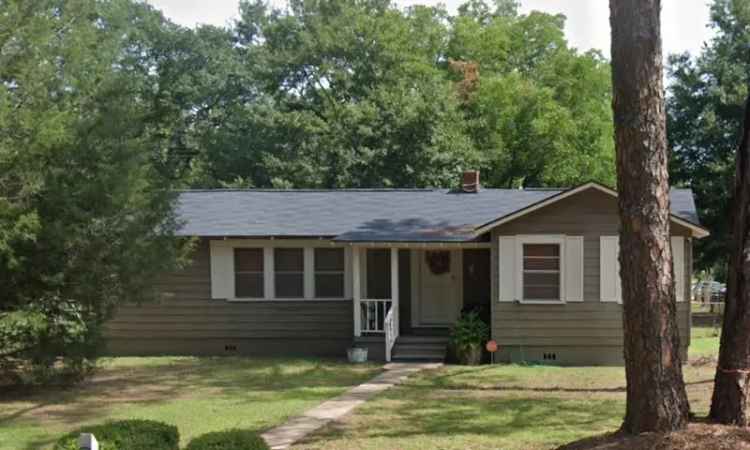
{"x": 541, "y": 272}
{"x": 248, "y": 273}
{"x": 289, "y": 272}
{"x": 329, "y": 272}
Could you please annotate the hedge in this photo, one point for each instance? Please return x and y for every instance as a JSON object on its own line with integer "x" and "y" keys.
{"x": 228, "y": 440}
{"x": 126, "y": 435}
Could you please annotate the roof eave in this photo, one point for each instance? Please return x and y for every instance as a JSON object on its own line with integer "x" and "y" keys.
{"x": 697, "y": 231}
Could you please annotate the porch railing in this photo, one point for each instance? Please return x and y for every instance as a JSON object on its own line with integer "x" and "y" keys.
{"x": 373, "y": 313}
{"x": 391, "y": 332}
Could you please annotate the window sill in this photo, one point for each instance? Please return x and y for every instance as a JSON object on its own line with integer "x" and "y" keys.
{"x": 276, "y": 300}
{"x": 541, "y": 302}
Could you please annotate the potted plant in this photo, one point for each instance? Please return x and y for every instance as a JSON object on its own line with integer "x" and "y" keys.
{"x": 356, "y": 354}
{"x": 467, "y": 338}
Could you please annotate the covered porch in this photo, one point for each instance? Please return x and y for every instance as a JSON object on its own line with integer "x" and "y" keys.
{"x": 408, "y": 296}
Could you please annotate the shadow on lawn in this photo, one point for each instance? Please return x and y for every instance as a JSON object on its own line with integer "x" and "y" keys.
{"x": 237, "y": 379}
{"x": 475, "y": 379}
{"x": 405, "y": 414}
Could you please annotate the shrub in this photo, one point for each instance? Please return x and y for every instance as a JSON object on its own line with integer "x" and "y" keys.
{"x": 469, "y": 330}
{"x": 228, "y": 440}
{"x": 126, "y": 435}
{"x": 467, "y": 338}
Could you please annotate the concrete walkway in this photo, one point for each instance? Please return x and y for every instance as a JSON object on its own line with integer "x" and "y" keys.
{"x": 296, "y": 428}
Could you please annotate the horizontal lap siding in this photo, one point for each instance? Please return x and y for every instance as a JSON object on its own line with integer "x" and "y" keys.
{"x": 592, "y": 325}
{"x": 187, "y": 321}
{"x": 589, "y": 332}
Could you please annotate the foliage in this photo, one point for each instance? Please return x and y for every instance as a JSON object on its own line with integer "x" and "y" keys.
{"x": 362, "y": 94}
{"x": 228, "y": 440}
{"x": 198, "y": 395}
{"x": 505, "y": 406}
{"x": 469, "y": 330}
{"x": 126, "y": 434}
{"x": 705, "y": 112}
{"x": 541, "y": 115}
{"x": 85, "y": 202}
{"x": 106, "y": 107}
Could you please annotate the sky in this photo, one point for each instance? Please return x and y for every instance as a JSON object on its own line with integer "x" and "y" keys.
{"x": 684, "y": 22}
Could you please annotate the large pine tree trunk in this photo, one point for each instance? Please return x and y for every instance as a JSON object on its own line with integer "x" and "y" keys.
{"x": 656, "y": 397}
{"x": 731, "y": 382}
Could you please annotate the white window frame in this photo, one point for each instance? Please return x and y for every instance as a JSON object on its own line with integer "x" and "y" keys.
{"x": 341, "y": 272}
{"x": 221, "y": 260}
{"x": 539, "y": 239}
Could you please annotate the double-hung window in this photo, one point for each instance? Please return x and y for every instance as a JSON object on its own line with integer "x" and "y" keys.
{"x": 248, "y": 273}
{"x": 329, "y": 273}
{"x": 541, "y": 272}
{"x": 289, "y": 272}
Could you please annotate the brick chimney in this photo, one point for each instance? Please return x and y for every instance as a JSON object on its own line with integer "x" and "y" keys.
{"x": 470, "y": 181}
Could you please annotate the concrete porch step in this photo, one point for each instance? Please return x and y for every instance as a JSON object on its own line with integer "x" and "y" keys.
{"x": 420, "y": 348}
{"x": 410, "y": 339}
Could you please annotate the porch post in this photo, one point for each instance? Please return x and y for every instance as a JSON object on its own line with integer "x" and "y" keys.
{"x": 394, "y": 285}
{"x": 356, "y": 291}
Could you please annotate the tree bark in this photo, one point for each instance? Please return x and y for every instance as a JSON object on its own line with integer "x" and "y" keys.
{"x": 656, "y": 397}
{"x": 731, "y": 381}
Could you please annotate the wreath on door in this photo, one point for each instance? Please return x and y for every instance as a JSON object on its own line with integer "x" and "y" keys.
{"x": 439, "y": 261}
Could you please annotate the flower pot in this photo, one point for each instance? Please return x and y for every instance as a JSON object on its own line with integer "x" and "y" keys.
{"x": 356, "y": 354}
{"x": 470, "y": 355}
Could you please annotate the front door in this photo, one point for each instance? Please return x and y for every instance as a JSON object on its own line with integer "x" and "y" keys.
{"x": 439, "y": 287}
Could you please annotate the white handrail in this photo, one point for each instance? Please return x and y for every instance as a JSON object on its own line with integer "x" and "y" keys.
{"x": 391, "y": 333}
{"x": 372, "y": 313}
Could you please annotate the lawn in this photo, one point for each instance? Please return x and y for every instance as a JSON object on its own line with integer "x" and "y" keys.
{"x": 197, "y": 395}
{"x": 504, "y": 406}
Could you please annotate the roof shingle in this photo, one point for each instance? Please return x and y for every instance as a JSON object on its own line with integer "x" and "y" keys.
{"x": 363, "y": 214}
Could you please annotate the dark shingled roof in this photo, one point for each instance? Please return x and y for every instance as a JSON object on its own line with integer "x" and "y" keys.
{"x": 412, "y": 215}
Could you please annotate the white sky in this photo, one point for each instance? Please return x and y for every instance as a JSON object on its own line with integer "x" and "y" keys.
{"x": 684, "y": 22}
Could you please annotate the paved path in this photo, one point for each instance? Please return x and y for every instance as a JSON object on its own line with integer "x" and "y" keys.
{"x": 296, "y": 428}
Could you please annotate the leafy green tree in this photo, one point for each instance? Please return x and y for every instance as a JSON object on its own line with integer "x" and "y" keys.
{"x": 85, "y": 208}
{"x": 705, "y": 112}
{"x": 360, "y": 94}
{"x": 348, "y": 94}
{"x": 541, "y": 115}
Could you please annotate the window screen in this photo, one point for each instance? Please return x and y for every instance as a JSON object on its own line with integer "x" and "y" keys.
{"x": 248, "y": 273}
{"x": 541, "y": 271}
{"x": 329, "y": 272}
{"x": 289, "y": 272}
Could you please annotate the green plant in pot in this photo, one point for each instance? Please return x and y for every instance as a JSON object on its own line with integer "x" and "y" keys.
{"x": 468, "y": 336}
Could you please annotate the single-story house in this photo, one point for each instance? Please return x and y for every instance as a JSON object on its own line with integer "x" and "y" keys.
{"x": 309, "y": 272}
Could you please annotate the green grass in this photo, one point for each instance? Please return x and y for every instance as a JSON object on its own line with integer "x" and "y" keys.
{"x": 498, "y": 407}
{"x": 198, "y": 395}
{"x": 704, "y": 342}
{"x": 503, "y": 406}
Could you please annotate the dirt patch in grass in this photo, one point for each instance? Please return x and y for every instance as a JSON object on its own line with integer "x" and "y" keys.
{"x": 698, "y": 436}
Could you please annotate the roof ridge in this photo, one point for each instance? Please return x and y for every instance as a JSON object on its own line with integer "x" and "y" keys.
{"x": 312, "y": 190}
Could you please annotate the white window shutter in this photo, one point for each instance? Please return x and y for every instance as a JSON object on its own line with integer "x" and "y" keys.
{"x": 610, "y": 289}
{"x": 573, "y": 268}
{"x": 507, "y": 268}
{"x": 678, "y": 259}
{"x": 222, "y": 270}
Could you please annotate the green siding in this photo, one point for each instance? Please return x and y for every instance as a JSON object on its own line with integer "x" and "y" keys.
{"x": 188, "y": 321}
{"x": 589, "y": 332}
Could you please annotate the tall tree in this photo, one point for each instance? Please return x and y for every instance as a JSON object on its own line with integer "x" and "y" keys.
{"x": 360, "y": 93}
{"x": 705, "y": 112}
{"x": 85, "y": 208}
{"x": 656, "y": 396}
{"x": 540, "y": 114}
{"x": 729, "y": 402}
